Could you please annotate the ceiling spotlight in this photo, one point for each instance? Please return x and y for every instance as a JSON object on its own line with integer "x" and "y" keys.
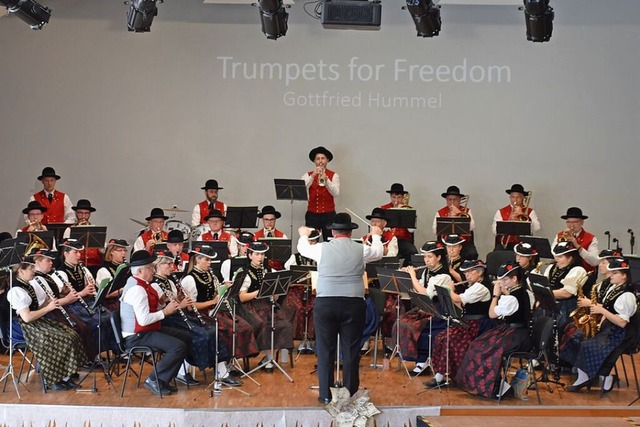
{"x": 538, "y": 16}
{"x": 141, "y": 14}
{"x": 426, "y": 16}
{"x": 274, "y": 17}
{"x": 34, "y": 14}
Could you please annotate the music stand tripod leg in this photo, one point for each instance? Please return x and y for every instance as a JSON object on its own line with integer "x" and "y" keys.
{"x": 396, "y": 349}
{"x": 216, "y": 386}
{"x": 234, "y": 360}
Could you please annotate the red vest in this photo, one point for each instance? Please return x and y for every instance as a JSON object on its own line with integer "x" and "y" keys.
{"x": 147, "y": 235}
{"x": 153, "y": 297}
{"x": 93, "y": 257}
{"x": 400, "y": 233}
{"x": 184, "y": 258}
{"x": 222, "y": 236}
{"x": 55, "y": 209}
{"x": 505, "y": 213}
{"x": 260, "y": 234}
{"x": 204, "y": 209}
{"x": 320, "y": 200}
{"x": 584, "y": 240}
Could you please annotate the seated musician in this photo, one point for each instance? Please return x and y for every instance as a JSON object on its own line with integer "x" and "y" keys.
{"x": 614, "y": 306}
{"x": 35, "y": 214}
{"x": 269, "y": 215}
{"x": 258, "y": 311}
{"x": 526, "y": 256}
{"x": 474, "y": 300}
{"x": 565, "y": 277}
{"x": 242, "y": 242}
{"x": 216, "y": 232}
{"x": 585, "y": 242}
{"x": 55, "y": 345}
{"x": 114, "y": 257}
{"x": 202, "y": 286}
{"x": 141, "y": 322}
{"x": 175, "y": 245}
{"x": 455, "y": 208}
{"x": 516, "y": 210}
{"x": 155, "y": 234}
{"x": 203, "y": 333}
{"x": 378, "y": 219}
{"x": 91, "y": 257}
{"x": 58, "y": 204}
{"x": 479, "y": 370}
{"x": 210, "y": 202}
{"x": 406, "y": 248}
{"x": 414, "y": 324}
{"x": 453, "y": 243}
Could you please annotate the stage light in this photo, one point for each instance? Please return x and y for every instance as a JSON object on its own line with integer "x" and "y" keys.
{"x": 274, "y": 17}
{"x": 538, "y": 16}
{"x": 34, "y": 14}
{"x": 141, "y": 14}
{"x": 426, "y": 16}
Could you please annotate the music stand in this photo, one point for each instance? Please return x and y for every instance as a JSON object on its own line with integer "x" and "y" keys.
{"x": 290, "y": 189}
{"x": 11, "y": 253}
{"x": 274, "y": 285}
{"x": 241, "y": 217}
{"x": 58, "y": 229}
{"x": 427, "y": 305}
{"x": 460, "y": 225}
{"x": 302, "y": 277}
{"x": 417, "y": 260}
{"x": 29, "y": 236}
{"x": 541, "y": 244}
{"x": 91, "y": 236}
{"x": 391, "y": 262}
{"x": 122, "y": 274}
{"x": 401, "y": 218}
{"x": 279, "y": 249}
{"x": 395, "y": 282}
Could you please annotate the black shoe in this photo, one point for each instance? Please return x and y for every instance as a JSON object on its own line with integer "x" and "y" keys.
{"x": 75, "y": 376}
{"x": 153, "y": 386}
{"x": 71, "y": 384}
{"x": 269, "y": 366}
{"x": 172, "y": 388}
{"x": 231, "y": 381}
{"x": 187, "y": 379}
{"x": 324, "y": 400}
{"x": 433, "y": 383}
{"x": 59, "y": 386}
{"x": 578, "y": 387}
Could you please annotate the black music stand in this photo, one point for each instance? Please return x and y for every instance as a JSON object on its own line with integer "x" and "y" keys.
{"x": 290, "y": 189}
{"x": 450, "y": 312}
{"x": 91, "y": 236}
{"x": 429, "y": 306}
{"x": 541, "y": 244}
{"x": 58, "y": 229}
{"x": 11, "y": 254}
{"x": 396, "y": 282}
{"x": 279, "y": 249}
{"x": 504, "y": 229}
{"x": 417, "y": 260}
{"x": 401, "y": 218}
{"x": 28, "y": 237}
{"x": 122, "y": 274}
{"x": 274, "y": 285}
{"x": 391, "y": 262}
{"x": 302, "y": 275}
{"x": 241, "y": 217}
{"x": 460, "y": 225}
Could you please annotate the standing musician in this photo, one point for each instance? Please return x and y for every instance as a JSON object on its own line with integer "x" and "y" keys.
{"x": 474, "y": 302}
{"x": 155, "y": 234}
{"x": 258, "y": 311}
{"x": 91, "y": 257}
{"x": 340, "y": 306}
{"x": 323, "y": 186}
{"x": 203, "y": 333}
{"x": 453, "y": 243}
{"x": 414, "y": 324}
{"x": 216, "y": 219}
{"x": 58, "y": 204}
{"x": 613, "y": 311}
{"x": 211, "y": 202}
{"x": 202, "y": 286}
{"x": 114, "y": 256}
{"x": 378, "y": 219}
{"x": 455, "y": 208}
{"x": 565, "y": 277}
{"x": 406, "y": 248}
{"x": 269, "y": 215}
{"x": 482, "y": 361}
{"x": 175, "y": 245}
{"x": 56, "y": 346}
{"x": 585, "y": 242}
{"x": 517, "y": 210}
{"x": 141, "y": 322}
{"x": 35, "y": 216}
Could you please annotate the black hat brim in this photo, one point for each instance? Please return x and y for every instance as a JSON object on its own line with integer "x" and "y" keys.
{"x": 34, "y": 208}
{"x": 574, "y": 216}
{"x": 41, "y": 177}
{"x": 320, "y": 150}
{"x": 149, "y": 218}
{"x": 444, "y": 195}
{"x": 351, "y": 226}
{"x": 275, "y": 213}
{"x": 90, "y": 209}
{"x": 144, "y": 261}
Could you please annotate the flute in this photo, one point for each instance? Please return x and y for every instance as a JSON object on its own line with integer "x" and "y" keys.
{"x": 50, "y": 294}
{"x": 193, "y": 306}
{"x": 81, "y": 300}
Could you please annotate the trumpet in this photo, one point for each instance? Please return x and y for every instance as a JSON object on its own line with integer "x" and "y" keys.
{"x": 156, "y": 237}
{"x": 36, "y": 226}
{"x": 47, "y": 290}
{"x": 322, "y": 177}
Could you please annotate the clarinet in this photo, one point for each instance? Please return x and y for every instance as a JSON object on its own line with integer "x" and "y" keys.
{"x": 50, "y": 294}
{"x": 173, "y": 297}
{"x": 193, "y": 306}
{"x": 81, "y": 300}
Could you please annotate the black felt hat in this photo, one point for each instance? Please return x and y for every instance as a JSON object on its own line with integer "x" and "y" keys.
{"x": 204, "y": 250}
{"x": 470, "y": 264}
{"x": 507, "y": 269}
{"x": 452, "y": 191}
{"x": 83, "y": 204}
{"x": 377, "y": 213}
{"x": 48, "y": 172}
{"x": 574, "y": 212}
{"x": 269, "y": 210}
{"x": 36, "y": 252}
{"x": 453, "y": 239}
{"x": 432, "y": 246}
{"x": 342, "y": 221}
{"x": 156, "y": 213}
{"x": 175, "y": 236}
{"x": 162, "y": 253}
{"x": 71, "y": 244}
{"x": 609, "y": 253}
{"x": 118, "y": 242}
{"x": 397, "y": 188}
{"x": 258, "y": 247}
{"x": 517, "y": 188}
{"x": 245, "y": 237}
{"x": 320, "y": 150}
{"x": 140, "y": 258}
{"x": 211, "y": 184}
{"x": 525, "y": 249}
{"x": 315, "y": 234}
{"x": 563, "y": 248}
{"x": 618, "y": 264}
{"x": 32, "y": 206}
{"x": 215, "y": 213}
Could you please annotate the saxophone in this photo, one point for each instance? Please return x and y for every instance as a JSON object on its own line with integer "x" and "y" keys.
{"x": 582, "y": 316}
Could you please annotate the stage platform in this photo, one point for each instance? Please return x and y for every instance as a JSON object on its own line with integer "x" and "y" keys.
{"x": 278, "y": 402}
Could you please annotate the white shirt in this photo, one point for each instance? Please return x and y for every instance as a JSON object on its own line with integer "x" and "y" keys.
{"x": 570, "y": 281}
{"x": 475, "y": 293}
{"x": 507, "y": 305}
{"x": 333, "y": 185}
{"x": 137, "y": 297}
{"x": 19, "y": 298}
{"x": 369, "y": 253}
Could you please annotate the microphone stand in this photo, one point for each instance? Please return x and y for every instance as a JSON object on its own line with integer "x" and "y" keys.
{"x": 632, "y": 241}
{"x": 608, "y": 234}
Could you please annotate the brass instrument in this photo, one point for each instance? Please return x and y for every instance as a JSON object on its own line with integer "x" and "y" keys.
{"x": 50, "y": 294}
{"x": 406, "y": 198}
{"x": 322, "y": 177}
{"x": 156, "y": 237}
{"x": 83, "y": 222}
{"x": 525, "y": 207}
{"x": 35, "y": 242}
{"x": 582, "y": 317}
{"x": 193, "y": 306}
{"x": 464, "y": 202}
{"x": 538, "y": 269}
{"x": 37, "y": 225}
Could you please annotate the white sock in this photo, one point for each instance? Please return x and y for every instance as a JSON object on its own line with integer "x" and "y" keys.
{"x": 223, "y": 372}
{"x": 420, "y": 365}
{"x": 608, "y": 382}
{"x": 582, "y": 377}
{"x": 505, "y": 387}
{"x": 438, "y": 377}
{"x": 184, "y": 369}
